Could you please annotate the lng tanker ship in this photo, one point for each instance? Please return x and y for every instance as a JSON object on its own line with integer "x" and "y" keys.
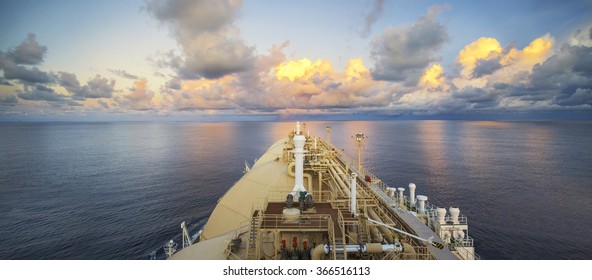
{"x": 305, "y": 199}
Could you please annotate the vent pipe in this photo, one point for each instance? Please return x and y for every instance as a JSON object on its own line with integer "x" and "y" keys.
{"x": 401, "y": 196}
{"x": 422, "y": 199}
{"x": 299, "y": 141}
{"x": 454, "y": 212}
{"x": 441, "y": 215}
{"x": 412, "y": 193}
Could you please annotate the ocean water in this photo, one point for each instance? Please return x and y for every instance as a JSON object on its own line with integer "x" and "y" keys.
{"x": 120, "y": 190}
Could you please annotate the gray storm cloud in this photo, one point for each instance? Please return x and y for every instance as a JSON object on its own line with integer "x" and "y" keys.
{"x": 204, "y": 29}
{"x": 401, "y": 53}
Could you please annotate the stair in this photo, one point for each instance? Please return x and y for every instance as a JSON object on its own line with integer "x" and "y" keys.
{"x": 339, "y": 254}
{"x": 363, "y": 235}
{"x": 253, "y": 236}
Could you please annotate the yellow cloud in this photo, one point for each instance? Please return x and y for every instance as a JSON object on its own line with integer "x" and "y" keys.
{"x": 512, "y": 60}
{"x": 433, "y": 76}
{"x": 356, "y": 69}
{"x": 483, "y": 48}
{"x": 537, "y": 51}
{"x": 302, "y": 69}
{"x": 203, "y": 84}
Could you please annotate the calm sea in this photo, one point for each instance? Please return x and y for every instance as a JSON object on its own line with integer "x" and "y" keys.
{"x": 119, "y": 190}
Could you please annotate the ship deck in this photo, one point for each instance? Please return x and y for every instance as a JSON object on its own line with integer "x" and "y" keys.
{"x": 274, "y": 209}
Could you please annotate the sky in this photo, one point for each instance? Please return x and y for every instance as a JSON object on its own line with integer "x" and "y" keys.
{"x": 270, "y": 60}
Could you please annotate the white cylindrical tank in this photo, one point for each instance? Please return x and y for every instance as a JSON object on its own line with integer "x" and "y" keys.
{"x": 412, "y": 193}
{"x": 401, "y": 195}
{"x": 441, "y": 215}
{"x": 454, "y": 212}
{"x": 422, "y": 199}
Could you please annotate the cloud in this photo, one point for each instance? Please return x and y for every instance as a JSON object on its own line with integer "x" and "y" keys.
{"x": 13, "y": 71}
{"x": 433, "y": 76}
{"x": 29, "y": 52}
{"x": 302, "y": 69}
{"x": 173, "y": 84}
{"x": 139, "y": 97}
{"x": 562, "y": 78}
{"x": 314, "y": 85}
{"x": 5, "y": 82}
{"x": 484, "y": 62}
{"x": 483, "y": 49}
{"x": 123, "y": 74}
{"x": 485, "y": 67}
{"x": 582, "y": 36}
{"x": 103, "y": 104}
{"x": 98, "y": 87}
{"x": 401, "y": 53}
{"x": 299, "y": 84}
{"x": 209, "y": 41}
{"x": 40, "y": 92}
{"x": 8, "y": 100}
{"x": 372, "y": 16}
{"x": 69, "y": 82}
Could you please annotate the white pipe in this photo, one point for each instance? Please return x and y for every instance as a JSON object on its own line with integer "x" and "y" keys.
{"x": 299, "y": 141}
{"x": 354, "y": 248}
{"x": 391, "y": 192}
{"x": 353, "y": 194}
{"x": 422, "y": 199}
{"x": 454, "y": 212}
{"x": 401, "y": 197}
{"x": 441, "y": 215}
{"x": 412, "y": 193}
{"x": 305, "y": 175}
